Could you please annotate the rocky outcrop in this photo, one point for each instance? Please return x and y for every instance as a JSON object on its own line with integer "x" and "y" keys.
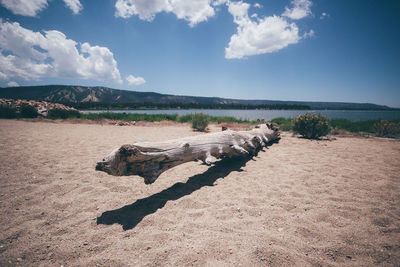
{"x": 42, "y": 107}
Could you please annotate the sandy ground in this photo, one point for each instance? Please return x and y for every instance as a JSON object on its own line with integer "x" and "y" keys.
{"x": 298, "y": 203}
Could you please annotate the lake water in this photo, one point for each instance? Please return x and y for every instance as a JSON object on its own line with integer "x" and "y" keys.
{"x": 353, "y": 115}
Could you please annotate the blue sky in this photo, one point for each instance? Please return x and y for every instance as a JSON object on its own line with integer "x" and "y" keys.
{"x": 281, "y": 50}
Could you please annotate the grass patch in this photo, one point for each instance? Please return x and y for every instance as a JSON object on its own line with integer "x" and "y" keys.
{"x": 58, "y": 113}
{"x": 354, "y": 126}
{"x": 7, "y": 112}
{"x": 27, "y": 111}
{"x": 216, "y": 119}
{"x": 130, "y": 116}
{"x": 285, "y": 124}
{"x": 161, "y": 117}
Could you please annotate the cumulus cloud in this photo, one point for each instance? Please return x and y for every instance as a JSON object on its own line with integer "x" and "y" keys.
{"x": 193, "y": 11}
{"x": 259, "y": 36}
{"x": 300, "y": 9}
{"x": 257, "y": 5}
{"x": 25, "y": 7}
{"x": 145, "y": 9}
{"x": 32, "y": 7}
{"x": 74, "y": 5}
{"x": 12, "y": 84}
{"x": 132, "y": 80}
{"x": 219, "y": 2}
{"x": 28, "y": 55}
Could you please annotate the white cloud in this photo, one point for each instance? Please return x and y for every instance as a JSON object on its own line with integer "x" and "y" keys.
{"x": 25, "y": 7}
{"x": 28, "y": 55}
{"x": 132, "y": 80}
{"x": 193, "y": 11}
{"x": 219, "y": 2}
{"x": 265, "y": 35}
{"x": 145, "y": 9}
{"x": 239, "y": 11}
{"x": 33, "y": 7}
{"x": 21, "y": 68}
{"x": 324, "y": 15}
{"x": 309, "y": 34}
{"x": 300, "y": 9}
{"x": 2, "y": 75}
{"x": 74, "y": 5}
{"x": 257, "y": 5}
{"x": 12, "y": 84}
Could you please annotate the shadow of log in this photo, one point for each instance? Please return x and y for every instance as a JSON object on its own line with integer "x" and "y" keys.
{"x": 129, "y": 216}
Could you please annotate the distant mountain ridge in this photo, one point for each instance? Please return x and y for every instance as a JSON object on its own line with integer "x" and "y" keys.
{"x": 104, "y": 96}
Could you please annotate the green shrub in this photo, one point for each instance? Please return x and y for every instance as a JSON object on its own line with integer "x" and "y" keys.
{"x": 200, "y": 121}
{"x": 387, "y": 128}
{"x": 8, "y": 112}
{"x": 28, "y": 111}
{"x": 58, "y": 113}
{"x": 311, "y": 126}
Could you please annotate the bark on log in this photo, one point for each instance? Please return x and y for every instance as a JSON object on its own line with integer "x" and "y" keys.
{"x": 150, "y": 159}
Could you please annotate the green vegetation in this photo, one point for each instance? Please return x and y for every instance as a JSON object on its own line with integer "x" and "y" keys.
{"x": 285, "y": 124}
{"x": 377, "y": 127}
{"x": 200, "y": 121}
{"x": 353, "y": 126}
{"x": 161, "y": 117}
{"x": 185, "y": 118}
{"x": 216, "y": 119}
{"x": 28, "y": 111}
{"x": 8, "y": 113}
{"x": 181, "y": 105}
{"x": 311, "y": 126}
{"x": 387, "y": 128}
{"x": 58, "y": 113}
{"x": 130, "y": 116}
{"x": 220, "y": 119}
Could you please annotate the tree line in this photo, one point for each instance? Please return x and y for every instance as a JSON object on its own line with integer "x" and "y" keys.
{"x": 149, "y": 105}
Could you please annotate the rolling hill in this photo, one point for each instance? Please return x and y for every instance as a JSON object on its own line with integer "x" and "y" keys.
{"x": 92, "y": 97}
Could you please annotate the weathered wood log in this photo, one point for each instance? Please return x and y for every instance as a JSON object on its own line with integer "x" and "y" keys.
{"x": 150, "y": 159}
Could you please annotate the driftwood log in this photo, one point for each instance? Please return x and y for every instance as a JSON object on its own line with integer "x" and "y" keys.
{"x": 150, "y": 159}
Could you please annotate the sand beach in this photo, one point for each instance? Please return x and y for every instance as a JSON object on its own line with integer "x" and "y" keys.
{"x": 298, "y": 203}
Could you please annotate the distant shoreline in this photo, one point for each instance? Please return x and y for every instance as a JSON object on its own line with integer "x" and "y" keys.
{"x": 352, "y": 115}
{"x": 226, "y": 108}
